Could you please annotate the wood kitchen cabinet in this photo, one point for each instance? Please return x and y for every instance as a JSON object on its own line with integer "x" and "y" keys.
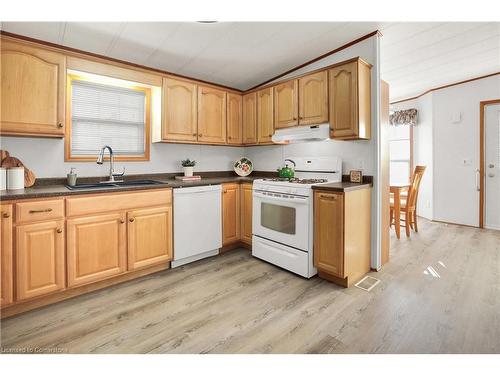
{"x": 265, "y": 116}
{"x": 97, "y": 248}
{"x": 342, "y": 235}
{"x": 180, "y": 110}
{"x": 33, "y": 90}
{"x": 234, "y": 119}
{"x": 286, "y": 104}
{"x": 211, "y": 115}
{"x": 313, "y": 98}
{"x": 6, "y": 253}
{"x": 40, "y": 265}
{"x": 230, "y": 213}
{"x": 149, "y": 236}
{"x": 350, "y": 100}
{"x": 246, "y": 213}
{"x": 250, "y": 118}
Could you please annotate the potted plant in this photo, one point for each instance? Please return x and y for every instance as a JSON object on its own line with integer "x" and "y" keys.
{"x": 188, "y": 166}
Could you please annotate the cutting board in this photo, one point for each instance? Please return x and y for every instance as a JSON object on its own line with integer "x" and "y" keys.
{"x": 10, "y": 162}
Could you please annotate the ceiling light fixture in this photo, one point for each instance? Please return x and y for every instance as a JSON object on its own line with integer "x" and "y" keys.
{"x": 207, "y": 21}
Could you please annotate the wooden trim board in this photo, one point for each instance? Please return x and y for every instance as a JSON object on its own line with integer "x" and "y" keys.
{"x": 347, "y": 45}
{"x": 482, "y": 133}
{"x": 445, "y": 86}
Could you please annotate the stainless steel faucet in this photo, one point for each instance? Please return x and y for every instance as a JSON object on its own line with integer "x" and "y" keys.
{"x": 112, "y": 174}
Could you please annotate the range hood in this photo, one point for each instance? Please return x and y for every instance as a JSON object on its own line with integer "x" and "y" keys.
{"x": 304, "y": 133}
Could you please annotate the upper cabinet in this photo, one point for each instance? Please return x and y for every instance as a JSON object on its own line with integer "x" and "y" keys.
{"x": 285, "y": 104}
{"x": 33, "y": 91}
{"x": 211, "y": 115}
{"x": 180, "y": 110}
{"x": 265, "y": 123}
{"x": 350, "y": 101}
{"x": 313, "y": 98}
{"x": 250, "y": 118}
{"x": 234, "y": 119}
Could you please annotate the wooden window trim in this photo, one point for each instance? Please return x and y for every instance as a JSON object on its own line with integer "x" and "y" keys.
{"x": 67, "y": 139}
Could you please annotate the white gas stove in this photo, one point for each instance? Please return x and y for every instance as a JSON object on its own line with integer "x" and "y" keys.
{"x": 283, "y": 214}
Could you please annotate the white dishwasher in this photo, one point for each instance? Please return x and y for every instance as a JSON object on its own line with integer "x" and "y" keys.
{"x": 197, "y": 223}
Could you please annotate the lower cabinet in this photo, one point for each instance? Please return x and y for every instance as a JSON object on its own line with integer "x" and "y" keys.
{"x": 6, "y": 253}
{"x": 342, "y": 235}
{"x": 40, "y": 267}
{"x": 230, "y": 213}
{"x": 97, "y": 248}
{"x": 149, "y": 236}
{"x": 246, "y": 213}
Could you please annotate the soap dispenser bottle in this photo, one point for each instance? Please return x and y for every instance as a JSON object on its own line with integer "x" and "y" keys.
{"x": 71, "y": 177}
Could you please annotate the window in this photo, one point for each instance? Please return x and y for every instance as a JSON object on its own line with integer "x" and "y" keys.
{"x": 114, "y": 113}
{"x": 400, "y": 148}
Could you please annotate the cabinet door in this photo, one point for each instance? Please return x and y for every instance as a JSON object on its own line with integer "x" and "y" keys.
{"x": 343, "y": 101}
{"x": 96, "y": 248}
{"x": 265, "y": 120}
{"x": 246, "y": 213}
{"x": 250, "y": 118}
{"x": 329, "y": 233}
{"x": 285, "y": 104}
{"x": 180, "y": 121}
{"x": 149, "y": 236}
{"x": 313, "y": 98}
{"x": 6, "y": 270}
{"x": 230, "y": 213}
{"x": 211, "y": 115}
{"x": 234, "y": 119}
{"x": 33, "y": 90}
{"x": 39, "y": 259}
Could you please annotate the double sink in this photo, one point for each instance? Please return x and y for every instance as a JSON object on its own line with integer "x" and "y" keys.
{"x": 115, "y": 184}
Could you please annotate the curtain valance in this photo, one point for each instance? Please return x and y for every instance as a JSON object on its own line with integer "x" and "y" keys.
{"x": 405, "y": 117}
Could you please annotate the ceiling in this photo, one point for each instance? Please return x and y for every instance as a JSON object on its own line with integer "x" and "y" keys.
{"x": 414, "y": 56}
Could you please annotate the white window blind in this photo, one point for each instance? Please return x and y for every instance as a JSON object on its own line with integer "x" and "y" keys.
{"x": 107, "y": 115}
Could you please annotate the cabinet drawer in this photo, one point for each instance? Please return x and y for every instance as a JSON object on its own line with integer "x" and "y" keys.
{"x": 117, "y": 202}
{"x": 39, "y": 210}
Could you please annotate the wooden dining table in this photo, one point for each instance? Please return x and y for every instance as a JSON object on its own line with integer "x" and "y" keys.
{"x": 396, "y": 189}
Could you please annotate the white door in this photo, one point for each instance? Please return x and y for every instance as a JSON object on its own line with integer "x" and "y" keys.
{"x": 492, "y": 166}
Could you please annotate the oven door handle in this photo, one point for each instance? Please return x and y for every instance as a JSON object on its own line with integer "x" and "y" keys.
{"x": 298, "y": 200}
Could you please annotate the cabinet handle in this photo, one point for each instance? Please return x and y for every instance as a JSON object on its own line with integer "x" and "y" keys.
{"x": 60, "y": 125}
{"x": 131, "y": 219}
{"x": 225, "y": 191}
{"x": 295, "y": 118}
{"x": 122, "y": 221}
{"x": 59, "y": 230}
{"x": 6, "y": 215}
{"x": 194, "y": 134}
{"x": 329, "y": 197}
{"x": 40, "y": 211}
{"x": 200, "y": 135}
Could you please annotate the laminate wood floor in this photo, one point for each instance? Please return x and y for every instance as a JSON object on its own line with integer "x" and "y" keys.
{"x": 440, "y": 293}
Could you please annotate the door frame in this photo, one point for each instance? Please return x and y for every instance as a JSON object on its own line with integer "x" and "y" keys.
{"x": 482, "y": 184}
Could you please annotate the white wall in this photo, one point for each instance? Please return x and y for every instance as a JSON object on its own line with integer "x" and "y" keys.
{"x": 362, "y": 155}
{"x": 450, "y": 149}
{"x": 456, "y": 198}
{"x": 45, "y": 156}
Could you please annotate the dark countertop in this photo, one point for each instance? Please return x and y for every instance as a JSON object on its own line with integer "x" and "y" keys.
{"x": 343, "y": 186}
{"x": 55, "y": 187}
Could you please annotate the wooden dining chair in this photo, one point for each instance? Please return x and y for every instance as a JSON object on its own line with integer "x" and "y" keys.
{"x": 409, "y": 202}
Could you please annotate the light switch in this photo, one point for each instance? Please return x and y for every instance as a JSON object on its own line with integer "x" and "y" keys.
{"x": 456, "y": 117}
{"x": 466, "y": 162}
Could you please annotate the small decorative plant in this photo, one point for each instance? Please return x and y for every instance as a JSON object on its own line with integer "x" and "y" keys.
{"x": 188, "y": 167}
{"x": 188, "y": 163}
